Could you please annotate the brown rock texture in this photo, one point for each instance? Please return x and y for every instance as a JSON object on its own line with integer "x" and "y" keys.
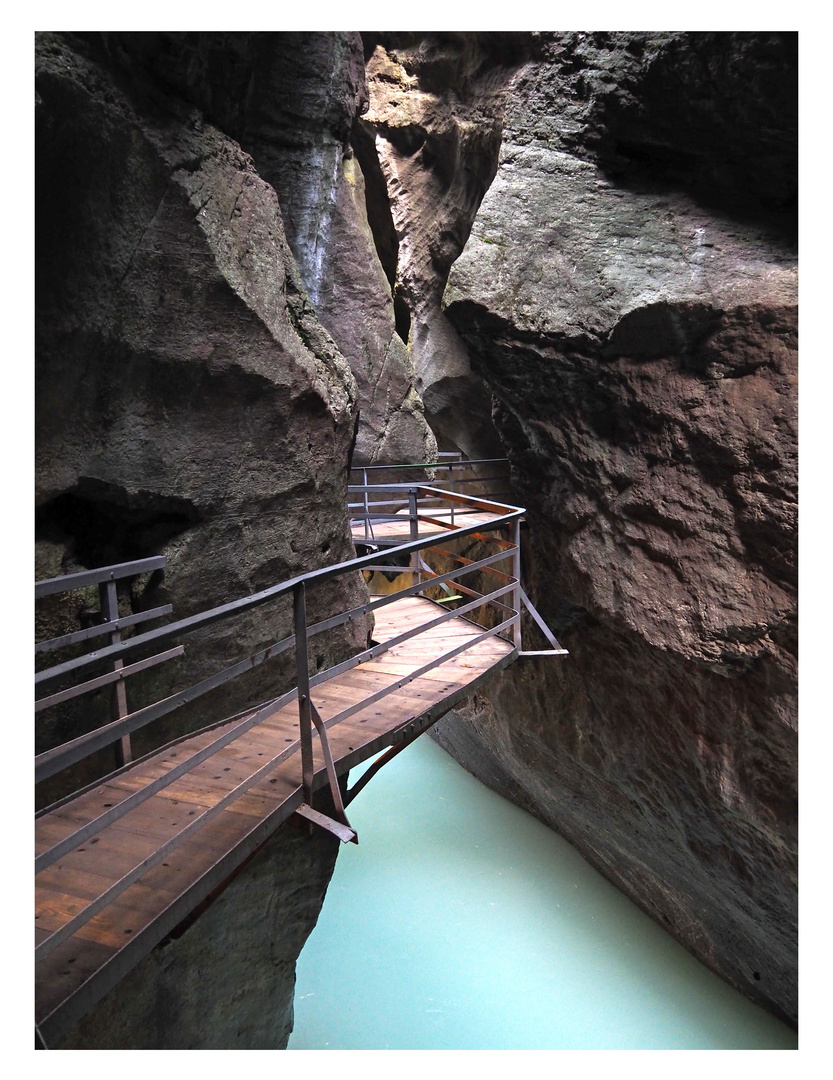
{"x": 628, "y": 294}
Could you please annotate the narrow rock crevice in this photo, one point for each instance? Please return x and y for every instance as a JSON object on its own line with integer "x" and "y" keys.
{"x": 377, "y": 201}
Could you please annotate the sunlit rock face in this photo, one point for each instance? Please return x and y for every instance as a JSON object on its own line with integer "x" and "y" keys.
{"x": 628, "y": 295}
{"x": 433, "y": 128}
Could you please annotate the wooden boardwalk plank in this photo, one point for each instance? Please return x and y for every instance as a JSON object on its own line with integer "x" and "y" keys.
{"x": 72, "y": 968}
{"x": 400, "y": 530}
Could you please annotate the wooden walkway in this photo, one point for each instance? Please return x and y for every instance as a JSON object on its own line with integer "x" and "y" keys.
{"x": 93, "y": 958}
{"x": 397, "y": 530}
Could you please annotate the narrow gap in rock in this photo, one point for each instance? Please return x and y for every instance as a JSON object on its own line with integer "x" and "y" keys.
{"x": 402, "y": 315}
{"x": 379, "y": 217}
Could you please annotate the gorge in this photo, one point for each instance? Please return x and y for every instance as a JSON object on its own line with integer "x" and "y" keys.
{"x": 261, "y": 257}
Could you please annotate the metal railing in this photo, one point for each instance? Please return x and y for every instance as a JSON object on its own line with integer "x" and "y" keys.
{"x": 109, "y": 624}
{"x": 407, "y": 516}
{"x": 113, "y": 656}
{"x": 481, "y": 477}
{"x": 392, "y": 504}
{"x": 503, "y": 604}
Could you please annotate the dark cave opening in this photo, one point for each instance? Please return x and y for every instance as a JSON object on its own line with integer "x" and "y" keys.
{"x": 402, "y": 315}
{"x": 102, "y": 524}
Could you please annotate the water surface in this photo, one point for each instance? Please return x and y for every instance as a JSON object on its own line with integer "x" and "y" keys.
{"x": 461, "y": 922}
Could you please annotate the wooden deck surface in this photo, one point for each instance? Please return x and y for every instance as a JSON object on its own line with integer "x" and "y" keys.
{"x": 398, "y": 530}
{"x": 84, "y": 967}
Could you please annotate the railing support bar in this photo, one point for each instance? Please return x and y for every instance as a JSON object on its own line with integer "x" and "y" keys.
{"x": 304, "y": 705}
{"x": 335, "y": 790}
{"x": 366, "y": 506}
{"x": 369, "y": 773}
{"x": 516, "y": 573}
{"x": 414, "y": 519}
{"x": 542, "y": 626}
{"x": 118, "y": 695}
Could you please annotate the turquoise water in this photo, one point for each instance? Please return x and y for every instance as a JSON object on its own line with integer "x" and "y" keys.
{"x": 460, "y": 922}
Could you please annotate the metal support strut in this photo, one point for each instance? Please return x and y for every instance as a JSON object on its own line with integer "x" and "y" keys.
{"x": 307, "y": 715}
{"x": 299, "y": 604}
{"x": 109, "y": 601}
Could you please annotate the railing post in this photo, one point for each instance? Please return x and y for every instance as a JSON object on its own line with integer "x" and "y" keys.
{"x": 414, "y": 519}
{"x": 366, "y": 505}
{"x": 299, "y": 604}
{"x": 109, "y": 600}
{"x": 516, "y": 573}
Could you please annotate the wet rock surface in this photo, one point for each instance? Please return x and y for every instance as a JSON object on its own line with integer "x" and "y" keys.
{"x": 642, "y": 354}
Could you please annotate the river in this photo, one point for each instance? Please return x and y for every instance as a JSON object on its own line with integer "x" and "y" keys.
{"x": 461, "y": 922}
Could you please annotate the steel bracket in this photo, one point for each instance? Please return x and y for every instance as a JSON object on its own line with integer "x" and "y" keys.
{"x": 345, "y": 833}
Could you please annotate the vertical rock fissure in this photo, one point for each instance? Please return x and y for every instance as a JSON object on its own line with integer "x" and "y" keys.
{"x": 380, "y": 220}
{"x": 379, "y": 217}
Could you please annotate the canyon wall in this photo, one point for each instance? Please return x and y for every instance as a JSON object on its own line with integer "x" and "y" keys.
{"x": 628, "y": 296}
{"x": 189, "y": 403}
{"x": 260, "y": 255}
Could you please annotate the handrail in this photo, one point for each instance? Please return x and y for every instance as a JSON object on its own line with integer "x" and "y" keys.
{"x": 102, "y": 628}
{"x": 246, "y": 603}
{"x": 464, "y": 463}
{"x": 58, "y": 758}
{"x": 67, "y": 582}
{"x": 508, "y": 620}
{"x": 105, "y": 577}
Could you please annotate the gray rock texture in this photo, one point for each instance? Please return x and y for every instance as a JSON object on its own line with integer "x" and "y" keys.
{"x": 292, "y": 101}
{"x": 189, "y": 403}
{"x": 188, "y": 400}
{"x": 628, "y": 294}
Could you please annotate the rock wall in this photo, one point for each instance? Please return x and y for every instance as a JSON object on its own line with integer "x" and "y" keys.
{"x": 189, "y": 402}
{"x": 433, "y": 128}
{"x": 628, "y": 294}
{"x": 292, "y": 101}
{"x": 577, "y": 249}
